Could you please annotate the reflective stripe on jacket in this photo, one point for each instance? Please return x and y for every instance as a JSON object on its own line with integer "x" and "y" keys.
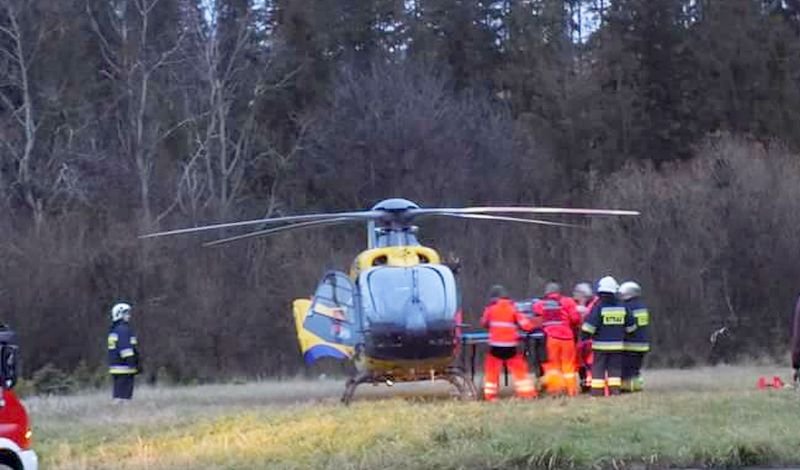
{"x": 639, "y": 340}
{"x": 559, "y": 314}
{"x": 608, "y": 324}
{"x": 503, "y": 321}
{"x": 123, "y": 357}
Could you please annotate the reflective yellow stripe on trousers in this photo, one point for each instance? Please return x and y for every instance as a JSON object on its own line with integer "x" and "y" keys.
{"x": 598, "y": 383}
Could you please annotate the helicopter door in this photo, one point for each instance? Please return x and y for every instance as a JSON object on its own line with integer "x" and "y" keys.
{"x": 326, "y": 325}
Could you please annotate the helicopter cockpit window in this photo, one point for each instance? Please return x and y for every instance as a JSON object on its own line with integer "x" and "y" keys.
{"x": 414, "y": 297}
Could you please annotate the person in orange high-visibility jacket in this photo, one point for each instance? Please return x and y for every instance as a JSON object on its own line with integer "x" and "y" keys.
{"x": 503, "y": 321}
{"x": 586, "y": 300}
{"x": 560, "y": 319}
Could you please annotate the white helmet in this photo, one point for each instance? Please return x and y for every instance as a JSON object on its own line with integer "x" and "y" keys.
{"x": 582, "y": 289}
{"x": 629, "y": 290}
{"x": 552, "y": 287}
{"x": 607, "y": 285}
{"x": 121, "y": 311}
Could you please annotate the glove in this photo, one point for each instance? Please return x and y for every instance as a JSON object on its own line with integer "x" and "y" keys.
{"x": 136, "y": 363}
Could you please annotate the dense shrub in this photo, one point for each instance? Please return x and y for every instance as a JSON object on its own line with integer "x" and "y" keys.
{"x": 715, "y": 247}
{"x": 50, "y": 380}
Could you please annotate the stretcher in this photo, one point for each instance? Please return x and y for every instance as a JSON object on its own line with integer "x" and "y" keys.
{"x": 472, "y": 340}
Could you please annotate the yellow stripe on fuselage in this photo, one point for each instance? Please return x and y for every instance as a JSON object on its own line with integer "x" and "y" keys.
{"x": 308, "y": 339}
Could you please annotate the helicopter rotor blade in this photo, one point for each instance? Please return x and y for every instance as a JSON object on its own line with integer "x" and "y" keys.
{"x": 520, "y": 210}
{"x": 357, "y": 215}
{"x": 510, "y": 219}
{"x": 285, "y": 228}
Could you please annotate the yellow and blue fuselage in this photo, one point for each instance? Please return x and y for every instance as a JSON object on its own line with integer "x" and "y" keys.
{"x": 317, "y": 343}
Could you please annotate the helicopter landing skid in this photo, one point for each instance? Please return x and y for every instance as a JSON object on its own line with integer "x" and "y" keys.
{"x": 455, "y": 376}
{"x": 352, "y": 384}
{"x": 464, "y": 386}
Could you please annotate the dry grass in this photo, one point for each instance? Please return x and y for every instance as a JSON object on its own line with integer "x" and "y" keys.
{"x": 701, "y": 417}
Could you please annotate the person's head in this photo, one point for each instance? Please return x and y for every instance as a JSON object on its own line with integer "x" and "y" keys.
{"x": 629, "y": 290}
{"x": 121, "y": 312}
{"x": 607, "y": 286}
{"x": 497, "y": 292}
{"x": 552, "y": 287}
{"x": 582, "y": 291}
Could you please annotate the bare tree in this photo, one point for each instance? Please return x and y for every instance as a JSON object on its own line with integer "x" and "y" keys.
{"x": 20, "y": 145}
{"x": 225, "y": 133}
{"x": 38, "y": 172}
{"x": 134, "y": 55}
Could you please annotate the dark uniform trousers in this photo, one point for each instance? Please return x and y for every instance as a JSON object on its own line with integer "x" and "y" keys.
{"x": 637, "y": 344}
{"x": 632, "y": 370}
{"x": 123, "y": 386}
{"x": 607, "y": 364}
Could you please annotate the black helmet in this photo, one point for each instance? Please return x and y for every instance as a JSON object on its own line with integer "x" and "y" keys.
{"x": 497, "y": 291}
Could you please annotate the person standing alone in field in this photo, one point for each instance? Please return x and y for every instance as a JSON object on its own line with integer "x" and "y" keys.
{"x": 123, "y": 353}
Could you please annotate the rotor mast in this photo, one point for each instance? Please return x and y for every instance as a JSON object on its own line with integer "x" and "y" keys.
{"x": 371, "y": 234}
{"x": 394, "y": 228}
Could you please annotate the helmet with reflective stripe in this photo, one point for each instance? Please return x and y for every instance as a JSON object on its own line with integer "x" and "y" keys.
{"x": 629, "y": 290}
{"x": 607, "y": 285}
{"x": 121, "y": 311}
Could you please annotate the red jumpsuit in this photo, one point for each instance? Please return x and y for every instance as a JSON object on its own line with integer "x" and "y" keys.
{"x": 561, "y": 320}
{"x": 585, "y": 358}
{"x": 503, "y": 321}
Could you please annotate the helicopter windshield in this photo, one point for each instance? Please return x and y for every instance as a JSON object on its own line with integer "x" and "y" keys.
{"x": 415, "y": 297}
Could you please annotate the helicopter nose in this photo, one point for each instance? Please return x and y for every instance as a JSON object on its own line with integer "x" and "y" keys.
{"x": 415, "y": 319}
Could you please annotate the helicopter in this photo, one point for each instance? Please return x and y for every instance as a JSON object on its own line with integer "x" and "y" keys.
{"x": 396, "y": 316}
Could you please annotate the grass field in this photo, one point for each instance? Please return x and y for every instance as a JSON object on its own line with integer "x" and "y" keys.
{"x": 696, "y": 418}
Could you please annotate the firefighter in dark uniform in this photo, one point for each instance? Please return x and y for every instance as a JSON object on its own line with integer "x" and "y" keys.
{"x": 123, "y": 354}
{"x": 637, "y": 344}
{"x": 607, "y": 325}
